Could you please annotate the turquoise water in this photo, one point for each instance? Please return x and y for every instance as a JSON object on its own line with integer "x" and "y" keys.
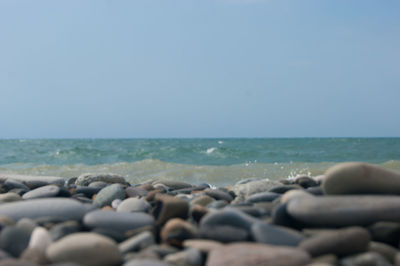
{"x": 214, "y": 160}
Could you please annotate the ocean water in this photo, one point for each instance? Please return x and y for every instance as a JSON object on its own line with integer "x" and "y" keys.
{"x": 217, "y": 161}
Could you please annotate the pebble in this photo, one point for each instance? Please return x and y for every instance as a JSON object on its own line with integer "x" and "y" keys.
{"x": 176, "y": 230}
{"x": 360, "y": 178}
{"x": 15, "y": 262}
{"x": 42, "y": 192}
{"x": 274, "y": 235}
{"x": 34, "y": 181}
{"x": 367, "y": 258}
{"x": 224, "y": 233}
{"x": 86, "y": 179}
{"x": 243, "y": 191}
{"x": 108, "y": 194}
{"x": 87, "y": 191}
{"x": 284, "y": 188}
{"x": 263, "y": 196}
{"x": 146, "y": 262}
{"x": 63, "y": 209}
{"x": 388, "y": 252}
{"x": 135, "y": 192}
{"x": 257, "y": 254}
{"x": 14, "y": 240}
{"x": 386, "y": 232}
{"x": 99, "y": 184}
{"x": 26, "y": 224}
{"x": 40, "y": 239}
{"x": 137, "y": 242}
{"x": 341, "y": 242}
{"x": 203, "y": 200}
{"x": 10, "y": 184}
{"x": 228, "y": 216}
{"x": 86, "y": 249}
{"x": 333, "y": 211}
{"x": 172, "y": 184}
{"x": 187, "y": 257}
{"x": 9, "y": 197}
{"x": 305, "y": 181}
{"x": 291, "y": 194}
{"x": 203, "y": 245}
{"x": 63, "y": 229}
{"x": 218, "y": 194}
{"x": 134, "y": 205}
{"x": 167, "y": 207}
{"x": 117, "y": 221}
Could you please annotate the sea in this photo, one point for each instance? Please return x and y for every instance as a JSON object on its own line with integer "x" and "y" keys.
{"x": 217, "y": 161}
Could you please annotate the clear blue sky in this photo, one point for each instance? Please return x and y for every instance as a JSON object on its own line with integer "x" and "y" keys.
{"x": 191, "y": 68}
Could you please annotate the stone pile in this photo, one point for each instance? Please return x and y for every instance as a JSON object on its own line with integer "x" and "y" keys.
{"x": 349, "y": 216}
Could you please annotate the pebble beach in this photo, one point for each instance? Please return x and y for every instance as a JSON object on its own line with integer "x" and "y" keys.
{"x": 348, "y": 216}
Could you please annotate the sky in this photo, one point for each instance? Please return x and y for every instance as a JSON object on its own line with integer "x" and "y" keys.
{"x": 191, "y": 68}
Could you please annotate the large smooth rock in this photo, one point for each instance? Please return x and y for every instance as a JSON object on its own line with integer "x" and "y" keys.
{"x": 333, "y": 211}
{"x": 341, "y": 242}
{"x": 274, "y": 235}
{"x": 32, "y": 181}
{"x": 360, "y": 178}
{"x": 86, "y": 179}
{"x": 108, "y": 194}
{"x": 117, "y": 221}
{"x": 240, "y": 254}
{"x": 60, "y": 208}
{"x": 42, "y": 192}
{"x": 85, "y": 249}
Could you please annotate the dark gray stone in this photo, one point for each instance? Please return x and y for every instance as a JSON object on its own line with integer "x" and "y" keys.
{"x": 12, "y": 184}
{"x": 63, "y": 229}
{"x": 228, "y": 216}
{"x": 224, "y": 233}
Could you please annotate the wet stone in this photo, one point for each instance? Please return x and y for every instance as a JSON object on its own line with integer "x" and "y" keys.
{"x": 224, "y": 233}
